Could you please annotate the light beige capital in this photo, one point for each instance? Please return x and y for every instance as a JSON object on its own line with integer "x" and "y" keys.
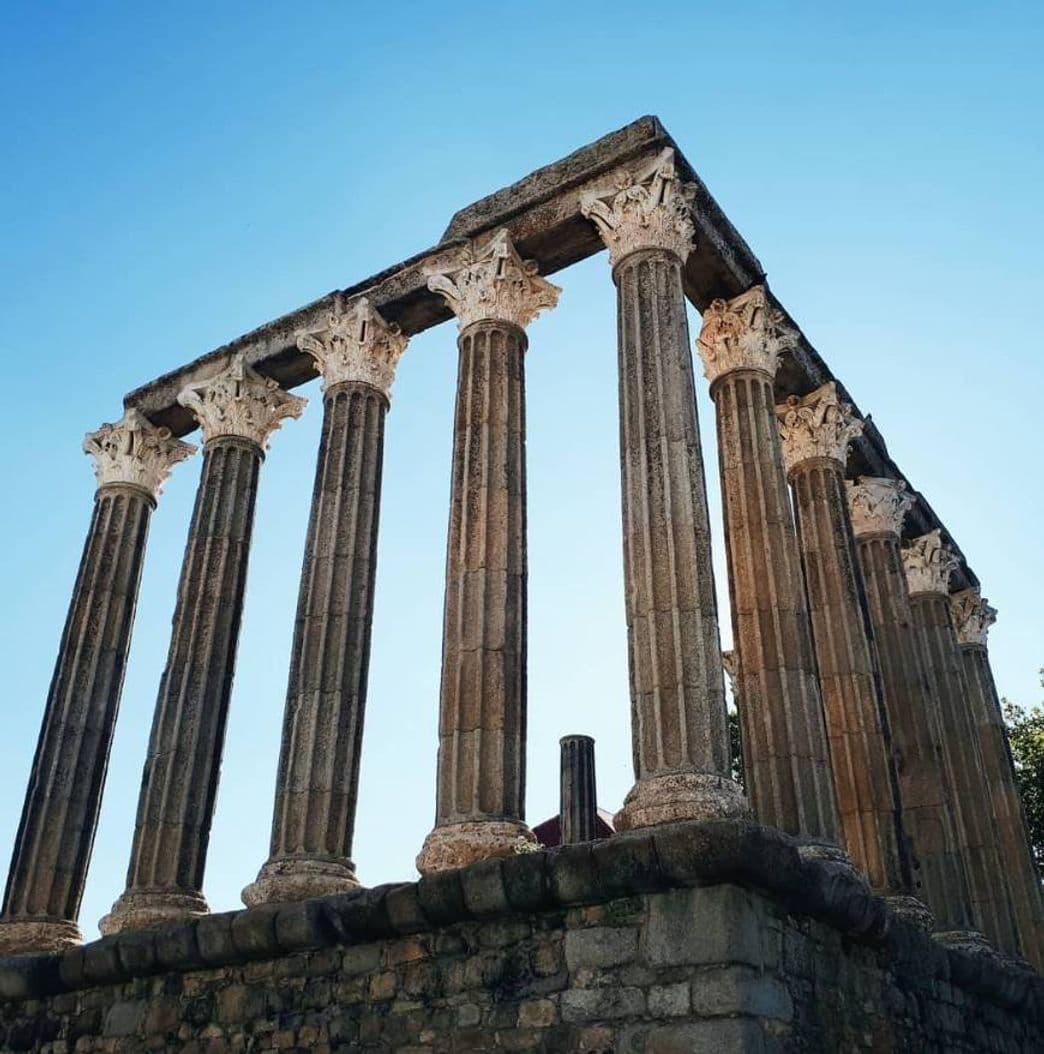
{"x": 972, "y": 615}
{"x": 878, "y": 504}
{"x": 494, "y": 284}
{"x": 647, "y": 209}
{"x": 240, "y": 402}
{"x": 744, "y": 333}
{"x": 928, "y": 563}
{"x": 817, "y": 425}
{"x": 135, "y": 451}
{"x": 356, "y": 345}
{"x": 730, "y": 664}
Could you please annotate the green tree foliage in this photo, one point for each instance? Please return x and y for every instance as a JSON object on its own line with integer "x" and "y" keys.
{"x": 736, "y": 748}
{"x": 1026, "y": 735}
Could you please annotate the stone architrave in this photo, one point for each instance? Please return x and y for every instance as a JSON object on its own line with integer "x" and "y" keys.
{"x": 877, "y": 507}
{"x": 786, "y": 753}
{"x": 679, "y": 724}
{"x": 52, "y": 851}
{"x": 973, "y": 617}
{"x": 578, "y": 797}
{"x": 482, "y": 710}
{"x": 815, "y": 431}
{"x": 318, "y": 780}
{"x": 237, "y": 411}
{"x": 929, "y": 563}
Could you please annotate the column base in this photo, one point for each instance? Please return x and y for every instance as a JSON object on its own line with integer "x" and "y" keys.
{"x": 143, "y": 909}
{"x": 912, "y": 911}
{"x": 965, "y": 940}
{"x": 22, "y": 936}
{"x": 678, "y": 796}
{"x": 287, "y": 878}
{"x": 831, "y": 855}
{"x": 454, "y": 845}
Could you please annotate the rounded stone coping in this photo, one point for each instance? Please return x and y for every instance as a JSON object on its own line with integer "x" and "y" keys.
{"x": 649, "y": 861}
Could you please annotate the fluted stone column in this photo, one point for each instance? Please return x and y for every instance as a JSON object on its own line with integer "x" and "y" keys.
{"x": 786, "y": 755}
{"x": 928, "y": 563}
{"x": 578, "y": 796}
{"x": 237, "y": 411}
{"x": 317, "y": 785}
{"x": 815, "y": 432}
{"x": 482, "y": 711}
{"x": 53, "y": 846}
{"x": 679, "y": 730}
{"x": 877, "y": 507}
{"x": 973, "y": 617}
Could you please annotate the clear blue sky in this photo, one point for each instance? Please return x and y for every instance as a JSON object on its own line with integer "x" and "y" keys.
{"x": 177, "y": 174}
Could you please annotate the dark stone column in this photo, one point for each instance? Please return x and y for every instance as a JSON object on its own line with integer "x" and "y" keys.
{"x": 815, "y": 432}
{"x": 877, "y": 507}
{"x": 928, "y": 565}
{"x": 786, "y": 756}
{"x": 482, "y": 712}
{"x": 973, "y": 617}
{"x": 56, "y": 833}
{"x": 179, "y": 783}
{"x": 678, "y": 716}
{"x": 318, "y": 781}
{"x": 578, "y": 808}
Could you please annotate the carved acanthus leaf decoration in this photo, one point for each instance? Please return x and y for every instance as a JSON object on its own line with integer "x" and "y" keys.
{"x": 878, "y": 504}
{"x": 493, "y": 283}
{"x": 240, "y": 402}
{"x": 135, "y": 451}
{"x": 356, "y": 345}
{"x": 928, "y": 563}
{"x": 972, "y": 615}
{"x": 647, "y": 209}
{"x": 744, "y": 333}
{"x": 817, "y": 425}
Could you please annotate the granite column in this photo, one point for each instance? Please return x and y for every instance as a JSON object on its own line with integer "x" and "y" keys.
{"x": 237, "y": 410}
{"x": 815, "y": 431}
{"x": 318, "y": 780}
{"x": 56, "y": 833}
{"x": 973, "y": 617}
{"x": 786, "y": 753}
{"x": 678, "y": 713}
{"x": 928, "y": 563}
{"x": 482, "y": 711}
{"x": 578, "y": 798}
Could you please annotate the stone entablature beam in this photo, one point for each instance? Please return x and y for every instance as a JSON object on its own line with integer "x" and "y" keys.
{"x": 52, "y": 851}
{"x": 237, "y": 411}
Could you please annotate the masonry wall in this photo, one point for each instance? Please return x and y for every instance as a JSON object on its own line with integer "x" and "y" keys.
{"x": 716, "y": 958}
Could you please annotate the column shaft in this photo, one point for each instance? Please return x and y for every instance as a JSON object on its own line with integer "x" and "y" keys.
{"x": 923, "y": 781}
{"x": 318, "y": 779}
{"x": 972, "y": 803}
{"x": 578, "y": 800}
{"x": 860, "y": 740}
{"x": 680, "y": 735}
{"x": 53, "y": 845}
{"x": 482, "y": 711}
{"x": 180, "y": 778}
{"x": 1011, "y": 834}
{"x": 786, "y": 755}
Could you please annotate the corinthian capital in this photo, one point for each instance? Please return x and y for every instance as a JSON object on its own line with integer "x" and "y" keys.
{"x": 972, "y": 615}
{"x": 135, "y": 451}
{"x": 356, "y": 345}
{"x": 818, "y": 425}
{"x": 240, "y": 402}
{"x": 647, "y": 209}
{"x": 493, "y": 283}
{"x": 928, "y": 563}
{"x": 744, "y": 333}
{"x": 878, "y": 504}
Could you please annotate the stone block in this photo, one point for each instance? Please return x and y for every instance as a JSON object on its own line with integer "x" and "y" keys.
{"x": 626, "y": 864}
{"x": 123, "y": 1018}
{"x": 669, "y": 1000}
{"x": 527, "y": 882}
{"x": 712, "y": 924}
{"x": 101, "y": 964}
{"x": 483, "y": 887}
{"x": 595, "y": 1004}
{"x": 537, "y": 1013}
{"x": 600, "y": 946}
{"x": 137, "y": 952}
{"x": 722, "y": 1036}
{"x": 176, "y": 947}
{"x": 740, "y": 990}
{"x": 574, "y": 878}
{"x": 214, "y": 938}
{"x": 441, "y": 897}
{"x": 305, "y": 925}
{"x": 364, "y": 914}
{"x": 404, "y": 909}
{"x": 254, "y": 932}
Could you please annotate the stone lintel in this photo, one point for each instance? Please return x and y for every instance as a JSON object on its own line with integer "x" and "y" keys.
{"x": 676, "y": 856}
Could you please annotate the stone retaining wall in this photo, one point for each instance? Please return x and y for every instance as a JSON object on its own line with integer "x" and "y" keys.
{"x": 705, "y": 937}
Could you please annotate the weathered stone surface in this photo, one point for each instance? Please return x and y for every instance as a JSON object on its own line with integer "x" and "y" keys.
{"x": 923, "y": 780}
{"x": 786, "y": 754}
{"x": 865, "y": 779}
{"x": 578, "y": 790}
